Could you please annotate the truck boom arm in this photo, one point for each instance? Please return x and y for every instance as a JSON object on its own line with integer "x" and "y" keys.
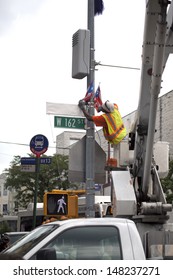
{"x": 153, "y": 62}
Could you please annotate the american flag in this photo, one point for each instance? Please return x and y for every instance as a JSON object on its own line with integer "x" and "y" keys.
{"x": 97, "y": 99}
{"x": 89, "y": 93}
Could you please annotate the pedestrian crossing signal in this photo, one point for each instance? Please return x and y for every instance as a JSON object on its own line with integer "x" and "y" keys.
{"x": 57, "y": 204}
{"x": 60, "y": 203}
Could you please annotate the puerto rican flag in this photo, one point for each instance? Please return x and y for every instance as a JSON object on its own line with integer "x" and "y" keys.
{"x": 89, "y": 93}
{"x": 97, "y": 99}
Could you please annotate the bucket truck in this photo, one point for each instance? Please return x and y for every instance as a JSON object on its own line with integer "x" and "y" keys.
{"x": 136, "y": 189}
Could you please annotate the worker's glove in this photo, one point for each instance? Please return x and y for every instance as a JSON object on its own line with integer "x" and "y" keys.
{"x": 81, "y": 104}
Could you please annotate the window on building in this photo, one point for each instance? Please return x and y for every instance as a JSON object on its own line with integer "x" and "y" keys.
{"x": 5, "y": 212}
{"x": 4, "y": 192}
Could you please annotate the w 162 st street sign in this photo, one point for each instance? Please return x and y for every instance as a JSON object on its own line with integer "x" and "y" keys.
{"x": 69, "y": 122}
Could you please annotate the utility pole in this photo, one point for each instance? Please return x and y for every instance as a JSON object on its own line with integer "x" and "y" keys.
{"x": 36, "y": 191}
{"x": 90, "y": 133}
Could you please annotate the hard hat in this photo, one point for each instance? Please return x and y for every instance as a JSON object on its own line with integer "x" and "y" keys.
{"x": 108, "y": 106}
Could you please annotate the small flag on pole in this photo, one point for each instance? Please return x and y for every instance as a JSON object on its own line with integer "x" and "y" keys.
{"x": 89, "y": 93}
{"x": 97, "y": 99}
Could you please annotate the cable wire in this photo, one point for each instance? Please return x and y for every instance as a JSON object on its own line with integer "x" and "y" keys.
{"x": 20, "y": 144}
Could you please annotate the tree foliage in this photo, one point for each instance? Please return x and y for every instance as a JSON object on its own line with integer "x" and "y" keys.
{"x": 167, "y": 183}
{"x": 4, "y": 227}
{"x": 50, "y": 176}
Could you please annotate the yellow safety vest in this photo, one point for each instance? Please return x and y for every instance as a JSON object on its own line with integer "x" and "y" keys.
{"x": 116, "y": 130}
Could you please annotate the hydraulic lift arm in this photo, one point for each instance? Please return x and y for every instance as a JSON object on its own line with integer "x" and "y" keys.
{"x": 153, "y": 62}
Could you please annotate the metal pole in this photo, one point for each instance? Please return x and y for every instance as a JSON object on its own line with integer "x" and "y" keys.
{"x": 36, "y": 191}
{"x": 155, "y": 90}
{"x": 90, "y": 133}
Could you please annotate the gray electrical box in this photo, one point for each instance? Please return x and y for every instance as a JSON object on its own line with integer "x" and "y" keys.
{"x": 81, "y": 54}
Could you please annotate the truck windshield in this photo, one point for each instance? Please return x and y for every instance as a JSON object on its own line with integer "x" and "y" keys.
{"x": 31, "y": 240}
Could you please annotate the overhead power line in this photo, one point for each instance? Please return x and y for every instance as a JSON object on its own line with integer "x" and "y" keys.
{"x": 20, "y": 144}
{"x": 12, "y": 143}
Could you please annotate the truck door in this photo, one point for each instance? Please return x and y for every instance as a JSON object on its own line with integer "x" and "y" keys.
{"x": 84, "y": 243}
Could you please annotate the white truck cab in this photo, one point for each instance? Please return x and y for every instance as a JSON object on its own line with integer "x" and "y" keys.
{"x": 82, "y": 239}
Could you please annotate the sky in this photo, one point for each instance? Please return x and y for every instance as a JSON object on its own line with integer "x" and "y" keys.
{"x": 36, "y": 64}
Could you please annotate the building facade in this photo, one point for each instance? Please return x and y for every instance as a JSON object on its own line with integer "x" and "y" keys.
{"x": 7, "y": 205}
{"x": 164, "y": 123}
{"x": 67, "y": 139}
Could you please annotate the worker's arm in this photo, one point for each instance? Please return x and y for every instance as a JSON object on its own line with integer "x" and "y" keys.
{"x": 82, "y": 107}
{"x": 89, "y": 117}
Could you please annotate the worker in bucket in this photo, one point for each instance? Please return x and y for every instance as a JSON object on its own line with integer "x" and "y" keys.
{"x": 113, "y": 128}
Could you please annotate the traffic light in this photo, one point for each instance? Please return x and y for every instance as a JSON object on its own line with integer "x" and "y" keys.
{"x": 59, "y": 203}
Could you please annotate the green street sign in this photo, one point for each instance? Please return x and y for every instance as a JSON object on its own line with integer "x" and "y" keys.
{"x": 69, "y": 122}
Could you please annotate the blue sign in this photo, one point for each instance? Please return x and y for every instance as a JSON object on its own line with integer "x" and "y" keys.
{"x": 97, "y": 187}
{"x": 45, "y": 160}
{"x": 32, "y": 161}
{"x": 27, "y": 161}
{"x": 39, "y": 144}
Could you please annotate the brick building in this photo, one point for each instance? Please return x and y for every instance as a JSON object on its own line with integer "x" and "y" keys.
{"x": 164, "y": 123}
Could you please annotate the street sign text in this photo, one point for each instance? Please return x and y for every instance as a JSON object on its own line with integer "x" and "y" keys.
{"x": 69, "y": 122}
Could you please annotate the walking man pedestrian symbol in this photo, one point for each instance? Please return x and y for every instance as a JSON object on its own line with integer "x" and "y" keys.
{"x": 61, "y": 205}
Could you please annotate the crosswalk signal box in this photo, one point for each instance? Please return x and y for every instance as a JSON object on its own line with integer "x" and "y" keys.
{"x": 60, "y": 203}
